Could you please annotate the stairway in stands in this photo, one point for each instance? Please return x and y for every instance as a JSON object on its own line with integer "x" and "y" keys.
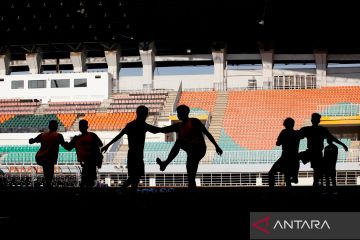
{"x": 216, "y": 123}
{"x": 168, "y": 107}
{"x": 75, "y": 126}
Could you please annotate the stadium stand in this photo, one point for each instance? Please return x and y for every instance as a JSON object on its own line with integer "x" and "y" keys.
{"x": 259, "y": 129}
{"x": 128, "y": 102}
{"x": 109, "y": 121}
{"x": 29, "y": 123}
{"x": 25, "y": 155}
{"x": 199, "y": 101}
{"x": 18, "y": 106}
{"x": 73, "y": 107}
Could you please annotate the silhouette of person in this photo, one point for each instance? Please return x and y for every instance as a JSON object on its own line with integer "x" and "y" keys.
{"x": 316, "y": 135}
{"x": 189, "y": 138}
{"x": 288, "y": 163}
{"x": 136, "y": 131}
{"x": 330, "y": 159}
{"x": 87, "y": 146}
{"x": 47, "y": 155}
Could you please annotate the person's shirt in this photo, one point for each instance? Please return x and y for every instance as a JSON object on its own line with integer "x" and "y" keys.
{"x": 188, "y": 132}
{"x": 87, "y": 146}
{"x": 315, "y": 136}
{"x": 136, "y": 132}
{"x": 49, "y": 147}
{"x": 289, "y": 141}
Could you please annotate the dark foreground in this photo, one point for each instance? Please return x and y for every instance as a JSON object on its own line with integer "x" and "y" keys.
{"x": 155, "y": 213}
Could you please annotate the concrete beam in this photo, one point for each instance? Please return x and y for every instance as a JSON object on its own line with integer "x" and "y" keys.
{"x": 321, "y": 66}
{"x": 78, "y": 60}
{"x": 148, "y": 60}
{"x": 113, "y": 62}
{"x": 219, "y": 58}
{"x": 5, "y": 64}
{"x": 34, "y": 60}
{"x": 267, "y": 59}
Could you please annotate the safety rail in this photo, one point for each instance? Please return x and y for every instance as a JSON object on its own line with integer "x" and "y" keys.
{"x": 228, "y": 157}
{"x": 339, "y": 109}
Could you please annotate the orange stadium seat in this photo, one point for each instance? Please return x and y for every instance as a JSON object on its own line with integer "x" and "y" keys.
{"x": 202, "y": 100}
{"x": 109, "y": 121}
{"x": 253, "y": 119}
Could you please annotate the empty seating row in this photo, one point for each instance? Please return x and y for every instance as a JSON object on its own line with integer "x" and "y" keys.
{"x": 25, "y": 155}
{"x": 18, "y": 106}
{"x": 199, "y": 100}
{"x": 253, "y": 118}
{"x": 109, "y": 121}
{"x": 29, "y": 123}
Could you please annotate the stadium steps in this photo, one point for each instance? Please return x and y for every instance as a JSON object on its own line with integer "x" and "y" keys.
{"x": 168, "y": 107}
{"x": 217, "y": 119}
{"x": 75, "y": 126}
{"x": 105, "y": 104}
{"x": 41, "y": 109}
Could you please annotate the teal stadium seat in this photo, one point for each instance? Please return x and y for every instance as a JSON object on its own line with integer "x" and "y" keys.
{"x": 341, "y": 109}
{"x": 152, "y": 150}
{"x": 25, "y": 154}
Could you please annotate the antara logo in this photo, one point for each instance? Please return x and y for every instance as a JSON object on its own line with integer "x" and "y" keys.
{"x": 302, "y": 224}
{"x": 264, "y": 229}
{"x": 263, "y": 225}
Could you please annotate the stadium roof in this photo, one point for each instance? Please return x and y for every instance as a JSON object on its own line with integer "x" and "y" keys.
{"x": 178, "y": 27}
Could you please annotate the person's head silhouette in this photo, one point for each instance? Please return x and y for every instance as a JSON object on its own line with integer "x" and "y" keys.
{"x": 183, "y": 112}
{"x": 53, "y": 125}
{"x": 83, "y": 126}
{"x": 142, "y": 113}
{"x": 289, "y": 123}
{"x": 315, "y": 119}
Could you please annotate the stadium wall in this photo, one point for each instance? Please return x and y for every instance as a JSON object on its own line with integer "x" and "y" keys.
{"x": 343, "y": 76}
{"x": 168, "y": 82}
{"x": 239, "y": 78}
{"x": 98, "y": 87}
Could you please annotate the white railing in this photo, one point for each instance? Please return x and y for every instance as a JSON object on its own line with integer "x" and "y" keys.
{"x": 142, "y": 91}
{"x": 170, "y": 180}
{"x": 198, "y": 89}
{"x": 228, "y": 157}
{"x": 295, "y": 82}
{"x": 342, "y": 109}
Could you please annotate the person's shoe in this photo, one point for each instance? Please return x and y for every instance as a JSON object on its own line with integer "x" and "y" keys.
{"x": 161, "y": 164}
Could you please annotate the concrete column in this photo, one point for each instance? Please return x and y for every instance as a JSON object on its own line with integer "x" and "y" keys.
{"x": 219, "y": 57}
{"x": 113, "y": 60}
{"x": 147, "y": 55}
{"x": 34, "y": 62}
{"x": 78, "y": 60}
{"x": 321, "y": 66}
{"x": 5, "y": 64}
{"x": 267, "y": 59}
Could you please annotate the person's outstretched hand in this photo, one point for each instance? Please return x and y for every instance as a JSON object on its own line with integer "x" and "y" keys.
{"x": 104, "y": 149}
{"x": 219, "y": 150}
{"x": 346, "y": 148}
{"x": 31, "y": 141}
